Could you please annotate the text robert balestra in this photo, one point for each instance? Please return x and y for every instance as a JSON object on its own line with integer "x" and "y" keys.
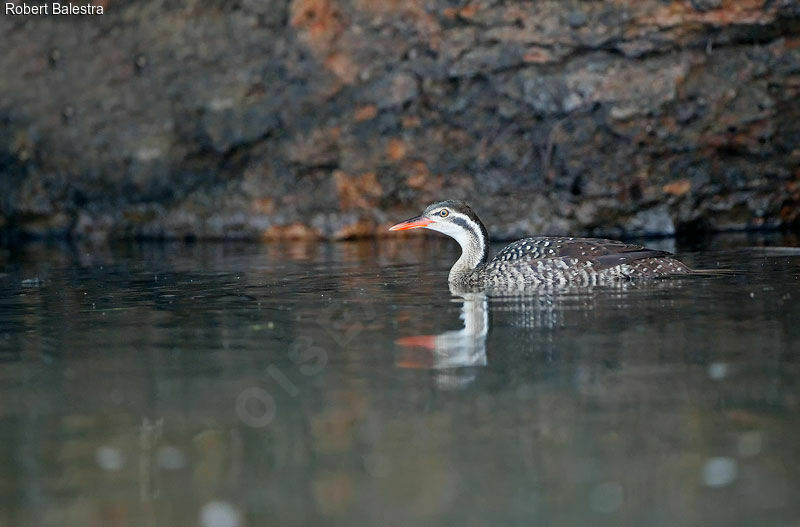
{"x": 52, "y": 8}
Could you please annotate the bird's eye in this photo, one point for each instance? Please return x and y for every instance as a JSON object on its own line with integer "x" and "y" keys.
{"x": 443, "y": 213}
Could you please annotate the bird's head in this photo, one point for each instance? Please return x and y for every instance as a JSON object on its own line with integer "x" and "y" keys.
{"x": 452, "y": 217}
{"x": 455, "y": 219}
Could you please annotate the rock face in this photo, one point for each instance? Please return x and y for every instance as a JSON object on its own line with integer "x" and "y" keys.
{"x": 334, "y": 118}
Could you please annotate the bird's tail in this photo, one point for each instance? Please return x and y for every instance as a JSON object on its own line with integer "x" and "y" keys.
{"x": 713, "y": 272}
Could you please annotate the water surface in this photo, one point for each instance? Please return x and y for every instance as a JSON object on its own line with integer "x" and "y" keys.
{"x": 342, "y": 384}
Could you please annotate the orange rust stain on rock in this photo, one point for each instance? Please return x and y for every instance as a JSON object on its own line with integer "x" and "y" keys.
{"x": 419, "y": 167}
{"x": 426, "y": 24}
{"x": 360, "y": 229}
{"x": 417, "y": 180}
{"x": 468, "y": 11}
{"x": 292, "y": 231}
{"x": 678, "y": 188}
{"x": 357, "y": 191}
{"x": 320, "y": 147}
{"x": 342, "y": 66}
{"x": 419, "y": 177}
{"x": 742, "y": 136}
{"x": 790, "y": 213}
{"x": 410, "y": 121}
{"x": 320, "y": 24}
{"x": 365, "y": 113}
{"x": 263, "y": 206}
{"x": 729, "y": 12}
{"x": 320, "y": 18}
{"x": 396, "y": 149}
{"x": 536, "y": 55}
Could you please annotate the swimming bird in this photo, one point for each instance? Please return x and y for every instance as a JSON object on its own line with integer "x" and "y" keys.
{"x": 541, "y": 261}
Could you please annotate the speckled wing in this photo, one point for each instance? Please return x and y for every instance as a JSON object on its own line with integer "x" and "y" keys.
{"x": 602, "y": 253}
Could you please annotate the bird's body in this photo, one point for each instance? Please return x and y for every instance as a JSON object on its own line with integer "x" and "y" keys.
{"x": 571, "y": 261}
{"x": 539, "y": 261}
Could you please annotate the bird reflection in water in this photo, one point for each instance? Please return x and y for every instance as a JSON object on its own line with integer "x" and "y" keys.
{"x": 453, "y": 354}
{"x": 530, "y": 322}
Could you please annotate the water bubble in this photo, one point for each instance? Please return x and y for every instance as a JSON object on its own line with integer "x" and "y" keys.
{"x": 606, "y": 497}
{"x": 719, "y": 471}
{"x": 219, "y": 514}
{"x": 171, "y": 458}
{"x": 109, "y": 458}
{"x": 717, "y": 370}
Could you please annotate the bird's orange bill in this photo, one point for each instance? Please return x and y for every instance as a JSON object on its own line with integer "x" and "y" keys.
{"x": 418, "y": 341}
{"x": 415, "y": 360}
{"x": 417, "y": 352}
{"x": 413, "y": 223}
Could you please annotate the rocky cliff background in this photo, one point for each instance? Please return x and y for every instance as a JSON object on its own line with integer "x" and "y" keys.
{"x": 334, "y": 118}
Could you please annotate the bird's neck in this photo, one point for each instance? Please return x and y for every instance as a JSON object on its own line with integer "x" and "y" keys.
{"x": 474, "y": 242}
{"x": 464, "y": 267}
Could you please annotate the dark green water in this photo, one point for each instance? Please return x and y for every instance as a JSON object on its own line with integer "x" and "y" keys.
{"x": 230, "y": 385}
